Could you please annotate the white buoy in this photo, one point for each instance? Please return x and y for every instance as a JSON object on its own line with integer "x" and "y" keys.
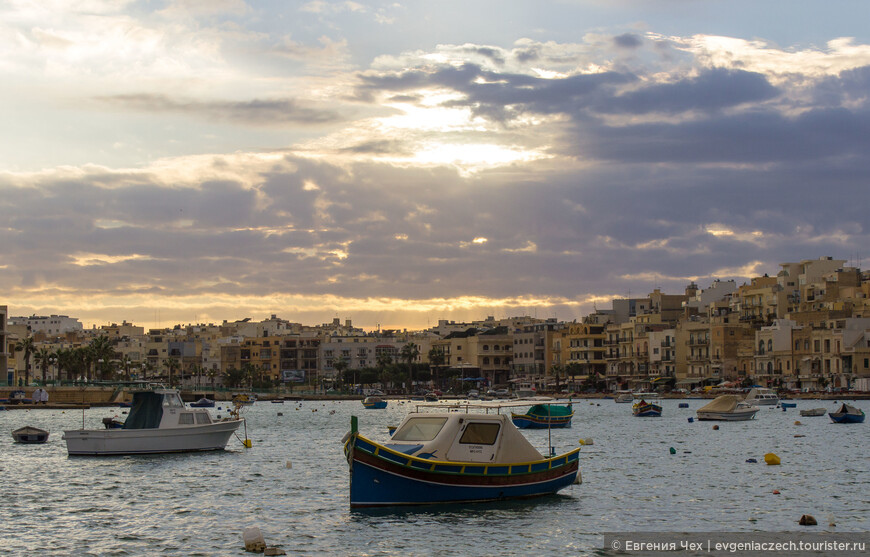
{"x": 254, "y": 541}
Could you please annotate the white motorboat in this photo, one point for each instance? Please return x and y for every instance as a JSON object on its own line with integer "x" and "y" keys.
{"x": 158, "y": 423}
{"x": 727, "y": 408}
{"x": 624, "y": 396}
{"x": 760, "y": 396}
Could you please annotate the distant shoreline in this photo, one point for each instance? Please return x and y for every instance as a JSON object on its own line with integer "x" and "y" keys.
{"x": 191, "y": 396}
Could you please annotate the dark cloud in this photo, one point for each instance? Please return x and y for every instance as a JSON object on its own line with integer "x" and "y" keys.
{"x": 628, "y": 41}
{"x": 712, "y": 90}
{"x": 255, "y": 112}
{"x": 760, "y": 136}
{"x": 493, "y": 54}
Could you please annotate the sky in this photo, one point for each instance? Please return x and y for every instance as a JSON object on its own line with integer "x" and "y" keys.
{"x": 400, "y": 162}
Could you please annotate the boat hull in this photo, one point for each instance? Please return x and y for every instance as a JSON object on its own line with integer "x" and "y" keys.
{"x": 381, "y": 477}
{"x": 655, "y": 412}
{"x": 839, "y": 418}
{"x": 207, "y": 437}
{"x": 30, "y": 436}
{"x": 813, "y": 412}
{"x": 728, "y": 416}
{"x": 375, "y": 405}
{"x": 531, "y": 421}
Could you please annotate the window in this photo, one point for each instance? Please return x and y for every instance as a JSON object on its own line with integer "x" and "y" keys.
{"x": 479, "y": 434}
{"x": 202, "y": 418}
{"x": 185, "y": 418}
{"x": 420, "y": 429}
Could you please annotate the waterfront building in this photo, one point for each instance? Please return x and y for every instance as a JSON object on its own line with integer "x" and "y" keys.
{"x": 124, "y": 330}
{"x": 8, "y": 377}
{"x": 50, "y": 324}
{"x": 584, "y": 350}
{"x": 693, "y": 353}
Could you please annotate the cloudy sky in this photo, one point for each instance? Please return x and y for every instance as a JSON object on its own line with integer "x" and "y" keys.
{"x": 399, "y": 162}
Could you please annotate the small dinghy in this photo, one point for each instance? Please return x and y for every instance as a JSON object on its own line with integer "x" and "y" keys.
{"x": 30, "y": 435}
{"x": 847, "y": 414}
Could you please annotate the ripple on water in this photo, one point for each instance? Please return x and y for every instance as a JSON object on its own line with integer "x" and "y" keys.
{"x": 199, "y": 504}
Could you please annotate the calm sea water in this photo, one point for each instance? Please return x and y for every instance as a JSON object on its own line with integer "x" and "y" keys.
{"x": 293, "y": 485}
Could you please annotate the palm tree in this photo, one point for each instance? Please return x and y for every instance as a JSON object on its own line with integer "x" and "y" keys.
{"x": 102, "y": 353}
{"x": 125, "y": 364}
{"x": 64, "y": 362}
{"x": 26, "y": 346}
{"x": 43, "y": 358}
{"x": 211, "y": 374}
{"x": 409, "y": 353}
{"x": 170, "y": 364}
{"x": 339, "y": 366}
{"x": 147, "y": 368}
{"x": 436, "y": 360}
{"x": 383, "y": 360}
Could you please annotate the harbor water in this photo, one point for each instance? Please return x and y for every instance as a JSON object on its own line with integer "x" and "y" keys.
{"x": 293, "y": 485}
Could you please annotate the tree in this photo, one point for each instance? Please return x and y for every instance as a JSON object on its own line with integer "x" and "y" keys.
{"x": 170, "y": 363}
{"x": 409, "y": 353}
{"x": 234, "y": 377}
{"x": 384, "y": 360}
{"x": 125, "y": 364}
{"x": 339, "y": 366}
{"x": 436, "y": 360}
{"x": 26, "y": 346}
{"x": 102, "y": 353}
{"x": 43, "y": 358}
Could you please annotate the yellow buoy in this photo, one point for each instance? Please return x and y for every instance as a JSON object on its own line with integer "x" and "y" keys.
{"x": 582, "y": 442}
{"x": 771, "y": 459}
{"x": 247, "y": 443}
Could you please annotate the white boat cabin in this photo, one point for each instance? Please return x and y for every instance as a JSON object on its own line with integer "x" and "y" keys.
{"x": 760, "y": 395}
{"x": 462, "y": 437}
{"x": 163, "y": 408}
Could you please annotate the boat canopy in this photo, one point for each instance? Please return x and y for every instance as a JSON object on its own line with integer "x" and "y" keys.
{"x": 550, "y": 410}
{"x": 724, "y": 403}
{"x": 456, "y": 437}
{"x": 848, "y": 409}
{"x": 146, "y": 412}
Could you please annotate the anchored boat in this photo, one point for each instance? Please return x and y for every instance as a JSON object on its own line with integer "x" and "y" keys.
{"x": 847, "y": 414}
{"x": 30, "y": 435}
{"x": 727, "y": 408}
{"x": 374, "y": 403}
{"x": 203, "y": 403}
{"x": 542, "y": 416}
{"x": 644, "y": 409}
{"x": 158, "y": 423}
{"x": 452, "y": 457}
{"x": 759, "y": 396}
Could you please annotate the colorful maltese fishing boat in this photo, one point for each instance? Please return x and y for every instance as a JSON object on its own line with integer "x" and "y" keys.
{"x": 452, "y": 457}
{"x": 374, "y": 403}
{"x": 543, "y": 416}
{"x": 644, "y": 409}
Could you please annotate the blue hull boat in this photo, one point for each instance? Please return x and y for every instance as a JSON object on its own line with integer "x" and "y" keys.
{"x": 202, "y": 403}
{"x": 374, "y": 403}
{"x": 847, "y": 415}
{"x": 417, "y": 473}
{"x": 645, "y": 409}
{"x": 543, "y": 416}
